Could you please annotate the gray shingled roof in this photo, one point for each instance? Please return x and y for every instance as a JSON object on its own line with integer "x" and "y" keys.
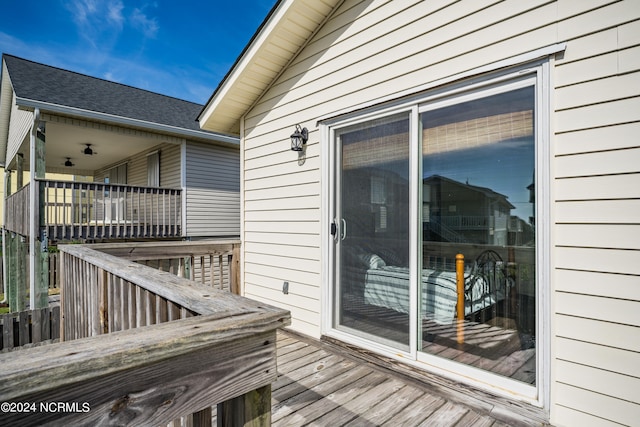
{"x": 44, "y": 83}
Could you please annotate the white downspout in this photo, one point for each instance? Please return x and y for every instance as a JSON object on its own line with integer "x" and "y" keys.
{"x": 33, "y": 210}
{"x": 4, "y": 239}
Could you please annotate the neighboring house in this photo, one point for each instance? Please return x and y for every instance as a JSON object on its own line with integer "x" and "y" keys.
{"x": 463, "y": 213}
{"x": 156, "y": 174}
{"x": 490, "y": 93}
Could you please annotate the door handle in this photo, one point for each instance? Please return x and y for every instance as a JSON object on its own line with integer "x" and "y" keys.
{"x": 343, "y": 230}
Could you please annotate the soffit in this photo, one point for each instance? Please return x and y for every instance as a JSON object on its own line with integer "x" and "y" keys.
{"x": 273, "y": 47}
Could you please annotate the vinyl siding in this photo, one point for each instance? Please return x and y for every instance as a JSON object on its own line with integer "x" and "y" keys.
{"x": 137, "y": 167}
{"x": 597, "y": 223}
{"x": 370, "y": 49}
{"x": 212, "y": 190}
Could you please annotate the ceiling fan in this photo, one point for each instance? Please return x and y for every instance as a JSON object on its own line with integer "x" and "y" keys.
{"x": 89, "y": 151}
{"x": 68, "y": 163}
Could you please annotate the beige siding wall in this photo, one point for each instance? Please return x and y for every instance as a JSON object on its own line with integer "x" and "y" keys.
{"x": 370, "y": 49}
{"x": 596, "y": 281}
{"x": 213, "y": 190}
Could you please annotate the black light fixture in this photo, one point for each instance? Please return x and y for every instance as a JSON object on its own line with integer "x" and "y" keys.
{"x": 68, "y": 163}
{"x": 299, "y": 138}
{"x": 89, "y": 151}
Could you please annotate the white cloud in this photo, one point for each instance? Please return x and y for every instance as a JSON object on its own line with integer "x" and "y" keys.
{"x": 148, "y": 26}
{"x": 99, "y": 20}
{"x": 115, "y": 12}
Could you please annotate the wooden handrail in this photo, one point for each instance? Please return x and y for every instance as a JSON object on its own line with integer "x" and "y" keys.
{"x": 118, "y": 294}
{"x": 212, "y": 262}
{"x": 145, "y": 376}
{"x": 138, "y": 343}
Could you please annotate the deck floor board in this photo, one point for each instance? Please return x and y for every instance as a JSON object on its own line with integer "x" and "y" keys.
{"x": 321, "y": 385}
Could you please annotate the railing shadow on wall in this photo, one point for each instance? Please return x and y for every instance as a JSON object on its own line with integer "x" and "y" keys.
{"x": 144, "y": 346}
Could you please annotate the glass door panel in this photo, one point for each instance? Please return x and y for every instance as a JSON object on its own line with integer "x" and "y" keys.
{"x": 371, "y": 231}
{"x": 477, "y": 288}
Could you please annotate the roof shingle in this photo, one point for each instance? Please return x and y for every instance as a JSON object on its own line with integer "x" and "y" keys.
{"x": 44, "y": 83}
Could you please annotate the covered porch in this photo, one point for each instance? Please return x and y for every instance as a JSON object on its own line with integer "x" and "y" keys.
{"x": 71, "y": 180}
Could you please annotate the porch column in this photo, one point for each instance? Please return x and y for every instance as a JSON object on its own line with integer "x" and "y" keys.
{"x": 5, "y": 235}
{"x": 38, "y": 241}
{"x": 14, "y": 260}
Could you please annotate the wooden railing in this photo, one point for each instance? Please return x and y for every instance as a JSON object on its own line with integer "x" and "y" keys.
{"x": 145, "y": 347}
{"x": 29, "y": 327}
{"x": 18, "y": 211}
{"x": 209, "y": 262}
{"x": 86, "y": 210}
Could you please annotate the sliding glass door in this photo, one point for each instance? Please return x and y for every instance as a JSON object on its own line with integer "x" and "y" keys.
{"x": 477, "y": 288}
{"x": 435, "y": 244}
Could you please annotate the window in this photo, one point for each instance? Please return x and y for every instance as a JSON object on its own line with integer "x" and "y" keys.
{"x": 153, "y": 169}
{"x": 117, "y": 175}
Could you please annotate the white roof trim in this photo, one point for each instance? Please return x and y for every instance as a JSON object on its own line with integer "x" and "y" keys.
{"x": 230, "y": 107}
{"x": 246, "y": 59}
{"x": 126, "y": 121}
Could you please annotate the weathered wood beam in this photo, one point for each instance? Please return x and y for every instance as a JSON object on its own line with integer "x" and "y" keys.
{"x": 38, "y": 295}
{"x": 21, "y": 250}
{"x": 148, "y": 375}
{"x": 11, "y": 265}
{"x": 235, "y": 284}
{"x": 163, "y": 250}
{"x": 252, "y": 409}
{"x": 19, "y": 171}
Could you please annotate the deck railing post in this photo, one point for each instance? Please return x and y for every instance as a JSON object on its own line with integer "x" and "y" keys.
{"x": 252, "y": 409}
{"x": 234, "y": 270}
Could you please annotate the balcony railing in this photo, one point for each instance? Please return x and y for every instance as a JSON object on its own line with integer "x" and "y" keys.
{"x": 466, "y": 222}
{"x": 145, "y": 347}
{"x": 85, "y": 210}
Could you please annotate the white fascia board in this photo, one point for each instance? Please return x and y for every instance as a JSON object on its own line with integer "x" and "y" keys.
{"x": 125, "y": 121}
{"x": 243, "y": 63}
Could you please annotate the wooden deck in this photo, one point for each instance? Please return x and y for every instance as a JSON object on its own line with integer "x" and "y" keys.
{"x": 321, "y": 384}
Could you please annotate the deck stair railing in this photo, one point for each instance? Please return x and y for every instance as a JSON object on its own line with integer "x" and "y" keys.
{"x": 140, "y": 346}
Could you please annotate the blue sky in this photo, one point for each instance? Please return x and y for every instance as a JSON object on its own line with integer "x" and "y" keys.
{"x": 177, "y": 48}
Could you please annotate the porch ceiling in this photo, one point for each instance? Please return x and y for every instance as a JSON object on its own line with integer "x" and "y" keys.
{"x": 110, "y": 147}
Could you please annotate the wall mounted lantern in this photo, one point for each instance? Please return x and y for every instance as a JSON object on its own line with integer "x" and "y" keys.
{"x": 299, "y": 138}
